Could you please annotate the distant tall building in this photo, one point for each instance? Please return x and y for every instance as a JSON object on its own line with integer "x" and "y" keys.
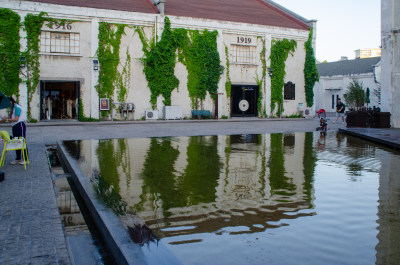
{"x": 367, "y": 53}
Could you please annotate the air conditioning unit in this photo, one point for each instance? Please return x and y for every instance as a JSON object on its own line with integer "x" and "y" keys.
{"x": 151, "y": 114}
{"x": 309, "y": 113}
{"x": 173, "y": 113}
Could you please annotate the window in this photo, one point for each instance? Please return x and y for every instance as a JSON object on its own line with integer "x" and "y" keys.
{"x": 289, "y": 91}
{"x": 59, "y": 42}
{"x": 241, "y": 54}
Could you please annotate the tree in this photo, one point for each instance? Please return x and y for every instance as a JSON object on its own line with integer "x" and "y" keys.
{"x": 367, "y": 100}
{"x": 355, "y": 95}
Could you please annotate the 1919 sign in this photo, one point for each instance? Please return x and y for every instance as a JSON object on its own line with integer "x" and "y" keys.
{"x": 243, "y": 40}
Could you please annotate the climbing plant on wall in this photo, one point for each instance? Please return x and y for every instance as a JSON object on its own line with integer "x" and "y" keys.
{"x": 197, "y": 51}
{"x": 33, "y": 26}
{"x": 261, "y": 80}
{"x": 200, "y": 55}
{"x": 228, "y": 83}
{"x": 10, "y": 23}
{"x": 109, "y": 59}
{"x": 159, "y": 64}
{"x": 280, "y": 50}
{"x": 310, "y": 71}
{"x": 124, "y": 77}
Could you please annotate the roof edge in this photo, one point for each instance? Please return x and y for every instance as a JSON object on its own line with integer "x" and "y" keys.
{"x": 307, "y": 24}
{"x": 153, "y": 6}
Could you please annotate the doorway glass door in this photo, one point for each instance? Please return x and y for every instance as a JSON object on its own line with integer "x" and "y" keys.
{"x": 59, "y": 100}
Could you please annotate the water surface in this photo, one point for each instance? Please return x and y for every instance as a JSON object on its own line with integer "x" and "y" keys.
{"x": 303, "y": 198}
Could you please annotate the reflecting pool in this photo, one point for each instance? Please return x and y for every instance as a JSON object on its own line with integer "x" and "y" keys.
{"x": 301, "y": 198}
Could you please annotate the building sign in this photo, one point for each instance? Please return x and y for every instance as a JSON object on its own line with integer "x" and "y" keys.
{"x": 60, "y": 26}
{"x": 244, "y": 40}
{"x": 289, "y": 91}
{"x": 104, "y": 104}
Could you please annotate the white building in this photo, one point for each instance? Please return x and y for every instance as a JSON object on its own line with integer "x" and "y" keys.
{"x": 367, "y": 53}
{"x": 390, "y": 11}
{"x": 335, "y": 77}
{"x": 69, "y": 68}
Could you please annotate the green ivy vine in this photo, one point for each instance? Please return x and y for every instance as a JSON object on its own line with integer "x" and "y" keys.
{"x": 10, "y": 24}
{"x": 197, "y": 51}
{"x": 200, "y": 55}
{"x": 33, "y": 26}
{"x": 159, "y": 64}
{"x": 108, "y": 54}
{"x": 261, "y": 81}
{"x": 228, "y": 83}
{"x": 124, "y": 78}
{"x": 310, "y": 71}
{"x": 280, "y": 50}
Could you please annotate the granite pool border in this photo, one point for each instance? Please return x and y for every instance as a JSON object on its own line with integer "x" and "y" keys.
{"x": 123, "y": 249}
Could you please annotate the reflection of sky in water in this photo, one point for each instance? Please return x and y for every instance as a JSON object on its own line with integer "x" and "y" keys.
{"x": 253, "y": 199}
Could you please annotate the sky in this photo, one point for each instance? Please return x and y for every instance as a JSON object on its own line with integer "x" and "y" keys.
{"x": 343, "y": 26}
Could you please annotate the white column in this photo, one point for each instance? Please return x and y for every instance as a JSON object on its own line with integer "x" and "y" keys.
{"x": 23, "y": 89}
{"x": 314, "y": 37}
{"x": 221, "y": 85}
{"x": 396, "y": 64}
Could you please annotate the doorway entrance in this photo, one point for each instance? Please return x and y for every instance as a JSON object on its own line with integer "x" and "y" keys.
{"x": 59, "y": 99}
{"x": 244, "y": 101}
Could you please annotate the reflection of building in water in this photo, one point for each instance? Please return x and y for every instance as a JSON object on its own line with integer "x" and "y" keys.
{"x": 388, "y": 210}
{"x": 209, "y": 184}
{"x": 355, "y": 154}
{"x": 69, "y": 210}
{"x": 205, "y": 180}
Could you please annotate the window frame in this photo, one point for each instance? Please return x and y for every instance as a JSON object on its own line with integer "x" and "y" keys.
{"x": 236, "y": 58}
{"x": 51, "y": 44}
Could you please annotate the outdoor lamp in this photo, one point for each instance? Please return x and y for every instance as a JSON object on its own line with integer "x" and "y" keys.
{"x": 95, "y": 64}
{"x": 270, "y": 71}
{"x": 221, "y": 69}
{"x": 22, "y": 61}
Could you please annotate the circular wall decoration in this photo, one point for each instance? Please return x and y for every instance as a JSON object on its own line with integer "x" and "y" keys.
{"x": 243, "y": 105}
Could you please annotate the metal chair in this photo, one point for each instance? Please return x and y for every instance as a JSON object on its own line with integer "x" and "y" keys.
{"x": 12, "y": 145}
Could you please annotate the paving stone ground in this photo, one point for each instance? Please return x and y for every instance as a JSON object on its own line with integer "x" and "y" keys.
{"x": 31, "y": 231}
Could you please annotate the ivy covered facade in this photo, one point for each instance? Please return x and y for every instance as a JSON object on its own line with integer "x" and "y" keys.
{"x": 153, "y": 60}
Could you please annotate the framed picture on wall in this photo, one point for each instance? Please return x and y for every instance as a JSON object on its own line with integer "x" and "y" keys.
{"x": 104, "y": 104}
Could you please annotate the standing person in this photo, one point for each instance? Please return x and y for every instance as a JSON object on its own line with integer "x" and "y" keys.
{"x": 17, "y": 119}
{"x": 339, "y": 110}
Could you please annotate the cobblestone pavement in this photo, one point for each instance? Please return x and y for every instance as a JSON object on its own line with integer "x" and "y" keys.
{"x": 30, "y": 227}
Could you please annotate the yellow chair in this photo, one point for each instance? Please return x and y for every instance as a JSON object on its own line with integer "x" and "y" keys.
{"x": 12, "y": 145}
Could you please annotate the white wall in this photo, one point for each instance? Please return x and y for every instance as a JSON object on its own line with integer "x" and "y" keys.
{"x": 337, "y": 85}
{"x": 80, "y": 67}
